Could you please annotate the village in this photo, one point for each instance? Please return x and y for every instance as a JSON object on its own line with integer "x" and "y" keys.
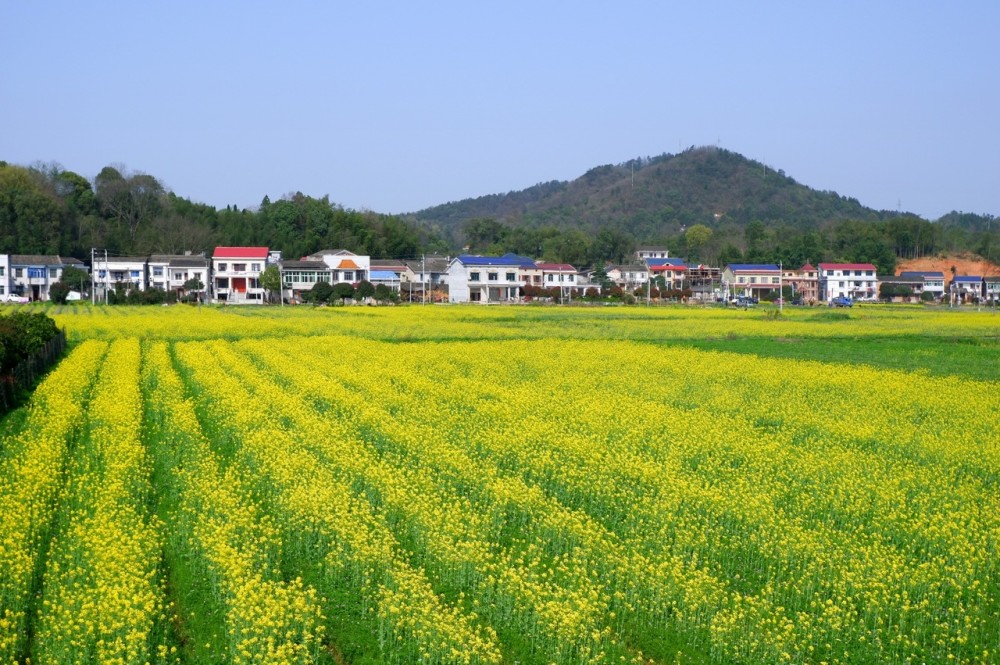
{"x": 232, "y": 275}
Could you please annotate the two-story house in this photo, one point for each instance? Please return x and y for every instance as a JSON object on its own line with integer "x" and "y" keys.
{"x": 562, "y": 276}
{"x": 31, "y": 275}
{"x": 345, "y": 266}
{"x": 933, "y": 281}
{"x": 858, "y": 281}
{"x": 991, "y": 288}
{"x": 485, "y": 279}
{"x": 751, "y": 279}
{"x": 428, "y": 275}
{"x": 967, "y": 288}
{"x": 119, "y": 273}
{"x": 629, "y": 276}
{"x": 236, "y": 274}
{"x": 170, "y": 272}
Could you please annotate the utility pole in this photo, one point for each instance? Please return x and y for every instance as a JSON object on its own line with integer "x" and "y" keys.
{"x": 423, "y": 278}
{"x": 93, "y": 296}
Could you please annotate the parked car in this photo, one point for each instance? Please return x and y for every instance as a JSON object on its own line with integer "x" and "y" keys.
{"x": 842, "y": 301}
{"x": 744, "y": 301}
{"x": 11, "y": 298}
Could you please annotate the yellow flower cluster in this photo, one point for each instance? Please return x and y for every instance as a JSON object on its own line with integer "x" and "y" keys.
{"x": 319, "y": 508}
{"x": 267, "y": 619}
{"x": 31, "y": 475}
{"x": 103, "y": 599}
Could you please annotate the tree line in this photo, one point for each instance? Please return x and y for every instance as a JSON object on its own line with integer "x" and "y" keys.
{"x": 45, "y": 209}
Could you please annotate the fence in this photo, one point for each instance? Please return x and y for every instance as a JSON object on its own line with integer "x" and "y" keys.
{"x": 14, "y": 385}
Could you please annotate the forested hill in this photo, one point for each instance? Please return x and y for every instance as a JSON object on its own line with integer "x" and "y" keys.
{"x": 705, "y": 204}
{"x": 654, "y": 198}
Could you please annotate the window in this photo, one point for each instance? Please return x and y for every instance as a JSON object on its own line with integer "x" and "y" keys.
{"x": 474, "y": 276}
{"x": 239, "y": 267}
{"x": 775, "y": 280}
{"x": 512, "y": 277}
{"x": 1, "y": 290}
{"x": 492, "y": 276}
{"x": 348, "y": 275}
{"x": 1, "y": 271}
{"x": 753, "y": 280}
{"x": 255, "y": 267}
{"x": 569, "y": 278}
{"x": 829, "y": 273}
{"x": 741, "y": 279}
{"x": 18, "y": 272}
{"x": 562, "y": 278}
{"x": 550, "y": 277}
{"x": 869, "y": 273}
{"x": 134, "y": 274}
{"x": 53, "y": 273}
{"x": 475, "y": 295}
{"x": 223, "y": 267}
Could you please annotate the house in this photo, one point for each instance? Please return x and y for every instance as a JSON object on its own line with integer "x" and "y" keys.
{"x": 858, "y": 281}
{"x": 561, "y": 276}
{"x": 428, "y": 273}
{"x": 751, "y": 279}
{"x": 644, "y": 252}
{"x": 236, "y": 274}
{"x": 387, "y": 278}
{"x": 485, "y": 279}
{"x": 121, "y": 273}
{"x": 170, "y": 272}
{"x": 933, "y": 281}
{"x": 345, "y": 266}
{"x": 31, "y": 275}
{"x": 804, "y": 282}
{"x": 674, "y": 274}
{"x": 991, "y": 288}
{"x": 300, "y": 276}
{"x": 897, "y": 288}
{"x": 629, "y": 276}
{"x": 967, "y": 288}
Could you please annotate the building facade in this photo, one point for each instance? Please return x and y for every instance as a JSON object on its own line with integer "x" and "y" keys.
{"x": 858, "y": 281}
{"x": 804, "y": 283}
{"x": 751, "y": 279}
{"x": 485, "y": 279}
{"x": 236, "y": 274}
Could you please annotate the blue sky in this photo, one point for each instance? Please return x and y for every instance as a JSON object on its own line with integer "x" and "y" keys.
{"x": 396, "y": 106}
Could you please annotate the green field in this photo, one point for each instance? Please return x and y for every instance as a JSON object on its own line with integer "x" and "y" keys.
{"x": 506, "y": 485}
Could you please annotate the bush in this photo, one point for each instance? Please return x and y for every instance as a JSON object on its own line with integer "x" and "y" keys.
{"x": 58, "y": 292}
{"x": 21, "y": 334}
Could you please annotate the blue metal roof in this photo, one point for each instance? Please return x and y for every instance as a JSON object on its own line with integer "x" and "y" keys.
{"x": 971, "y": 279}
{"x": 511, "y": 260}
{"x": 383, "y": 275}
{"x": 664, "y": 262}
{"x": 749, "y": 267}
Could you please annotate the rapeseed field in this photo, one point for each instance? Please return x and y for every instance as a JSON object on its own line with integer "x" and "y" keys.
{"x": 506, "y": 485}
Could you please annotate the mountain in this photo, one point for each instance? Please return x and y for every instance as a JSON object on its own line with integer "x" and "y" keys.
{"x": 655, "y": 198}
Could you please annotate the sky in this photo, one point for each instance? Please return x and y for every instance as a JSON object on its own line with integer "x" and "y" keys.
{"x": 398, "y": 106}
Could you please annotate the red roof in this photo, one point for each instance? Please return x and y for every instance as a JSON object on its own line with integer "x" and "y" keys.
{"x": 240, "y": 253}
{"x": 565, "y": 267}
{"x": 846, "y": 266}
{"x": 807, "y": 267}
{"x": 667, "y": 268}
{"x": 348, "y": 264}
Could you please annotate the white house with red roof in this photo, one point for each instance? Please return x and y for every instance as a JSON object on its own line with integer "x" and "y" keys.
{"x": 561, "y": 275}
{"x": 858, "y": 281}
{"x": 236, "y": 274}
